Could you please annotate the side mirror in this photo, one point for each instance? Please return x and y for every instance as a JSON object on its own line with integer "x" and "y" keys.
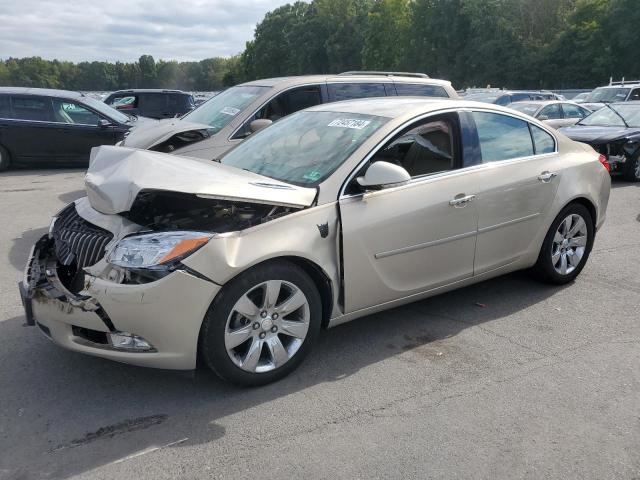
{"x": 543, "y": 117}
{"x": 383, "y": 174}
{"x": 103, "y": 123}
{"x": 259, "y": 124}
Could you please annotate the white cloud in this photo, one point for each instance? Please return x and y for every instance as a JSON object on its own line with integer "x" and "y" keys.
{"x": 123, "y": 30}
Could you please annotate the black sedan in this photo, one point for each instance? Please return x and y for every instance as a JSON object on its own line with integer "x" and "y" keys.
{"x": 54, "y": 127}
{"x": 614, "y": 131}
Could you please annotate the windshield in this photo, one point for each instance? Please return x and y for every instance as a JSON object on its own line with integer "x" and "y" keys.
{"x": 606, "y": 117}
{"x": 608, "y": 94}
{"x": 304, "y": 148}
{"x": 220, "y": 110}
{"x": 106, "y": 110}
{"x": 528, "y": 108}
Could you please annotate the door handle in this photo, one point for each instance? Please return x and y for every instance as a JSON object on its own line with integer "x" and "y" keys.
{"x": 461, "y": 200}
{"x": 546, "y": 177}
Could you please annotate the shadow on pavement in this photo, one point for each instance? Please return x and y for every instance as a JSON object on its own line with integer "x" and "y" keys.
{"x": 61, "y": 410}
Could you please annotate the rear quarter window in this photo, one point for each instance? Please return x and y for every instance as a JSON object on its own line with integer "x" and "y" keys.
{"x": 419, "y": 90}
{"x": 543, "y": 142}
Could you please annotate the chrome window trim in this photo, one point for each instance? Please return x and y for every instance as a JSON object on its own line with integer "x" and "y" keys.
{"x": 54, "y": 123}
{"x": 230, "y": 139}
{"x": 459, "y": 171}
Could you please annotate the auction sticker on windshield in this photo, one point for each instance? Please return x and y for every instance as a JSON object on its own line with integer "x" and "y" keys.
{"x": 230, "y": 111}
{"x": 349, "y": 123}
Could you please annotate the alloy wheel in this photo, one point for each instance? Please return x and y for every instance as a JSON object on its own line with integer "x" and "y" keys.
{"x": 569, "y": 244}
{"x": 267, "y": 326}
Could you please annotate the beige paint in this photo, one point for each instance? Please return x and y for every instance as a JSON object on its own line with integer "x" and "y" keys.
{"x": 400, "y": 244}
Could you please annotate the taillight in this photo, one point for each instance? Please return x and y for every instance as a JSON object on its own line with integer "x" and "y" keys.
{"x": 604, "y": 162}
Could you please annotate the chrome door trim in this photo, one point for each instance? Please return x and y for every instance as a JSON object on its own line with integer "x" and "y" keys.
{"x": 507, "y": 223}
{"x": 459, "y": 171}
{"x": 420, "y": 246}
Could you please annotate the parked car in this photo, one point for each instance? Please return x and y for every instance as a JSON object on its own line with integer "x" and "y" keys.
{"x": 554, "y": 113}
{"x": 581, "y": 97}
{"x": 231, "y": 116}
{"x": 55, "y": 127}
{"x": 614, "y": 92}
{"x": 330, "y": 214}
{"x": 152, "y": 103}
{"x": 506, "y": 97}
{"x": 614, "y": 131}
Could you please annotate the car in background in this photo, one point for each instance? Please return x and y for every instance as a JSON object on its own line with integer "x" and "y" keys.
{"x": 614, "y": 92}
{"x": 330, "y": 214}
{"x": 581, "y": 97}
{"x": 54, "y": 127}
{"x": 228, "y": 118}
{"x": 614, "y": 131}
{"x": 152, "y": 103}
{"x": 554, "y": 113}
{"x": 505, "y": 97}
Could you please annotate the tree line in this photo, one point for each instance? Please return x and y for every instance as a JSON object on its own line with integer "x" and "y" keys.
{"x": 502, "y": 43}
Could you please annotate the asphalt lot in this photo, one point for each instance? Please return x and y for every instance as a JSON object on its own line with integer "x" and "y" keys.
{"x": 505, "y": 379}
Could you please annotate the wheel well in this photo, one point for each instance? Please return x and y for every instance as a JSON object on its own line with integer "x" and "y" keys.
{"x": 589, "y": 206}
{"x": 322, "y": 283}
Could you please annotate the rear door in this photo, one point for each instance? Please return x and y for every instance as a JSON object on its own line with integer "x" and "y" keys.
{"x": 33, "y": 135}
{"x": 517, "y": 184}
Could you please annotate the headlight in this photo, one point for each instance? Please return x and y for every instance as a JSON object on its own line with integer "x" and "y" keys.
{"x": 156, "y": 249}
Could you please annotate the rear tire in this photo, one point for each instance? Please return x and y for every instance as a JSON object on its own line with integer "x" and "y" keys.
{"x": 5, "y": 160}
{"x": 262, "y": 324}
{"x": 567, "y": 246}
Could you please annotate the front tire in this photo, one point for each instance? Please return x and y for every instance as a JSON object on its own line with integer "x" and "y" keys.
{"x": 567, "y": 246}
{"x": 262, "y": 324}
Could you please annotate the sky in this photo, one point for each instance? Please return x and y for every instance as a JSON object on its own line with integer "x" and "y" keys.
{"x": 111, "y": 30}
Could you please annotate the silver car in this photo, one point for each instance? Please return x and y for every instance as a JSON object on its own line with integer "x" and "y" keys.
{"x": 554, "y": 113}
{"x": 331, "y": 214}
{"x": 231, "y": 116}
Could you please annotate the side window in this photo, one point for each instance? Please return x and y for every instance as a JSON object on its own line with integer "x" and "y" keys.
{"x": 282, "y": 105}
{"x": 517, "y": 97}
{"x": 65, "y": 111}
{"x": 550, "y": 112}
{"x": 635, "y": 94}
{"x": 502, "y": 137}
{"x": 153, "y": 101}
{"x": 572, "y": 111}
{"x": 32, "y": 108}
{"x": 420, "y": 90}
{"x": 504, "y": 100}
{"x": 347, "y": 91}
{"x": 428, "y": 147}
{"x": 542, "y": 141}
{"x": 5, "y": 106}
{"x": 584, "y": 112}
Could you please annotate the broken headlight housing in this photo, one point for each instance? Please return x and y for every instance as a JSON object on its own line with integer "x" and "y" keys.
{"x": 156, "y": 251}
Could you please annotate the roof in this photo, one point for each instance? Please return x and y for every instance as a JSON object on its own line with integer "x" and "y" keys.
{"x": 306, "y": 79}
{"x": 41, "y": 91}
{"x": 392, "y": 107}
{"x": 148, "y": 90}
{"x": 542, "y": 102}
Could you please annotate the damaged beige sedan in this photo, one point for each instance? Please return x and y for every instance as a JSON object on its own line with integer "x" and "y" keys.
{"x": 328, "y": 215}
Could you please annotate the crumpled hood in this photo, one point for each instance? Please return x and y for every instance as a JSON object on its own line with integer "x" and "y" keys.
{"x": 149, "y": 134}
{"x": 597, "y": 135}
{"x": 117, "y": 174}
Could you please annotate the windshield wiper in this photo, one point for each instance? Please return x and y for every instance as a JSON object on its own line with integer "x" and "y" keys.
{"x": 616, "y": 112}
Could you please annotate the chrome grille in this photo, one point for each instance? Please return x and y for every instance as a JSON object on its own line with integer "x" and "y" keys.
{"x": 78, "y": 241}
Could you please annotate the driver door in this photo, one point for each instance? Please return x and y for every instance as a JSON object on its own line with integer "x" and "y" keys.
{"x": 414, "y": 237}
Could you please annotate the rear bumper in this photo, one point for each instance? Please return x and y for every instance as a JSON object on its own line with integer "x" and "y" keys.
{"x": 167, "y": 313}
